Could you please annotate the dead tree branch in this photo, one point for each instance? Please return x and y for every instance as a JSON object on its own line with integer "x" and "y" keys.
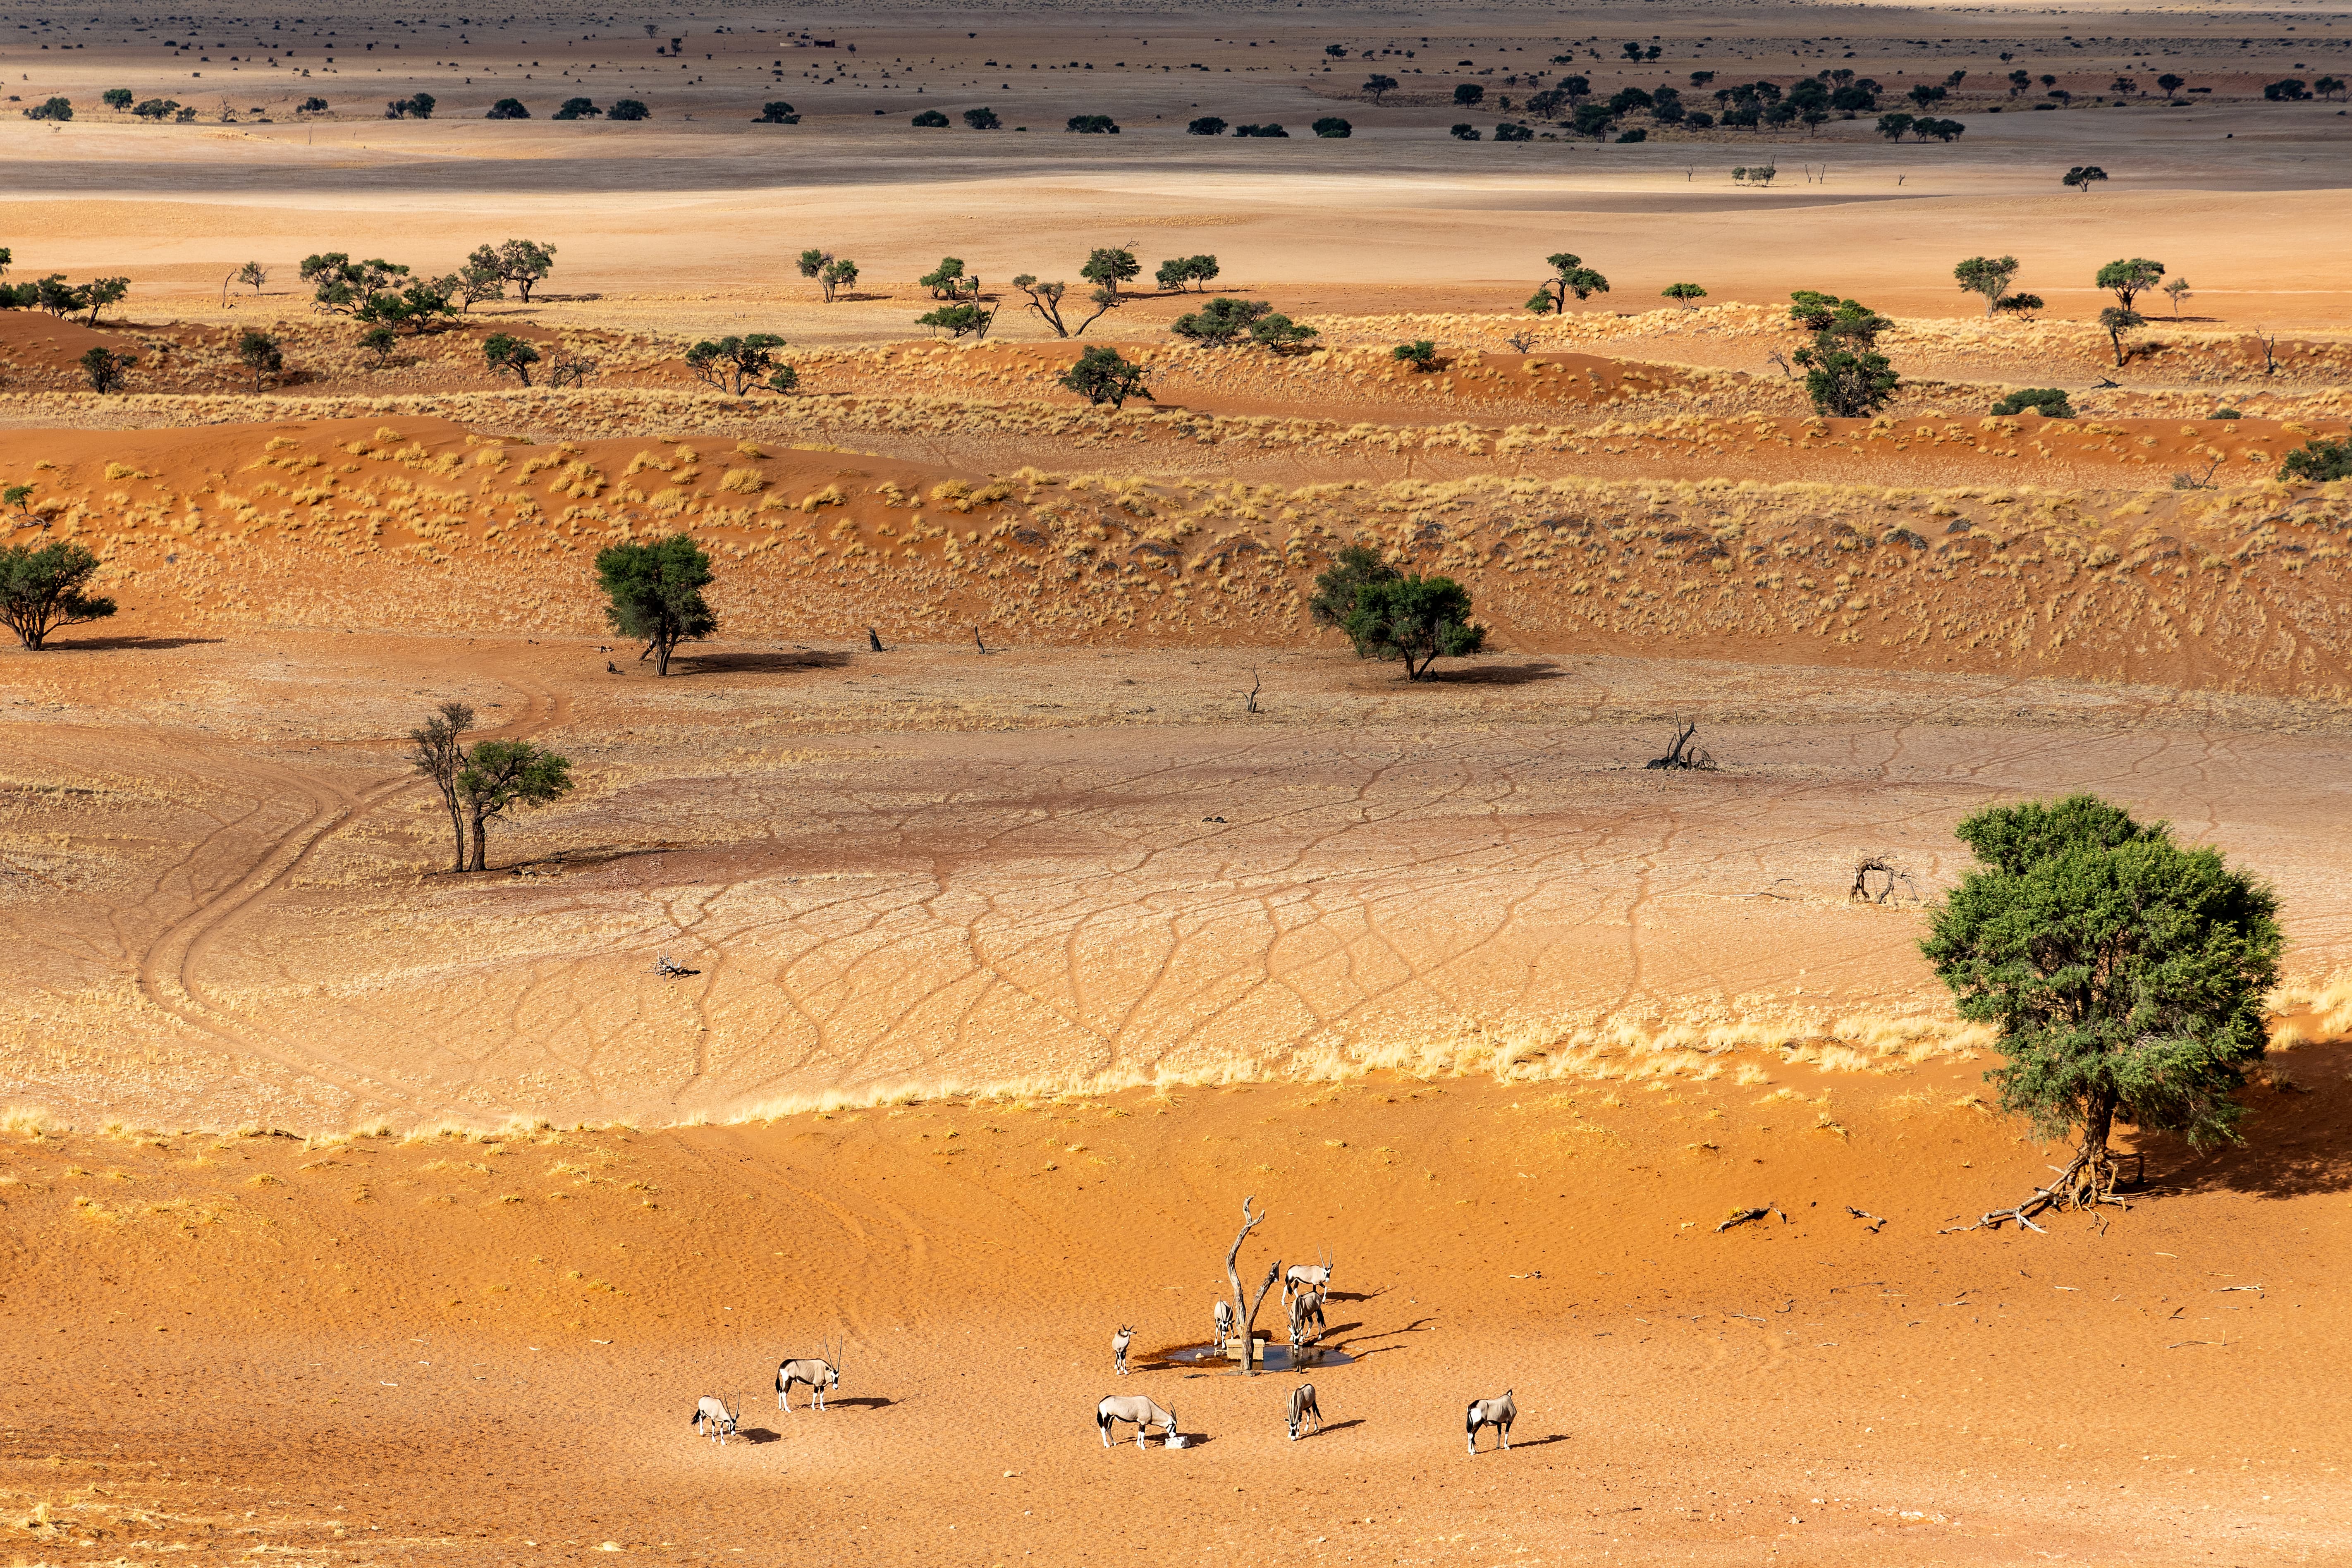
{"x": 2084, "y": 1183}
{"x": 1859, "y": 892}
{"x": 1742, "y": 1217}
{"x": 1682, "y": 753}
{"x": 1245, "y": 1308}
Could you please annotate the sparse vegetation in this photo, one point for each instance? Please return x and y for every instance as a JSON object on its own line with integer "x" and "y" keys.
{"x": 504, "y": 351}
{"x": 1206, "y": 125}
{"x": 525, "y": 263}
{"x": 2082, "y": 176}
{"x": 1110, "y": 266}
{"x": 41, "y": 590}
{"x": 2115, "y": 321}
{"x": 1092, "y": 125}
{"x": 259, "y": 353}
{"x": 1220, "y": 322}
{"x": 1686, "y": 295}
{"x": 1845, "y": 375}
{"x": 930, "y": 120}
{"x": 778, "y": 112}
{"x": 437, "y": 750}
{"x": 105, "y": 368}
{"x": 655, "y": 592}
{"x": 2318, "y": 461}
{"x": 499, "y": 775}
{"x": 1415, "y": 619}
{"x": 2129, "y": 279}
{"x": 1331, "y": 128}
{"x": 1987, "y": 276}
{"x": 2049, "y": 401}
{"x": 1420, "y": 356}
{"x": 1177, "y": 271}
{"x": 1045, "y": 299}
{"x": 982, "y": 120}
{"x": 734, "y": 364}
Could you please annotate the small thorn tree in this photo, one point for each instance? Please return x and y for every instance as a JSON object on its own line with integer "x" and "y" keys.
{"x": 1569, "y": 276}
{"x": 437, "y": 750}
{"x": 41, "y": 590}
{"x": 499, "y": 775}
{"x": 1987, "y": 276}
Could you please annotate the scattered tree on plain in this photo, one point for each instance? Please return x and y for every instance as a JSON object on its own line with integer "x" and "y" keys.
{"x": 2177, "y": 290}
{"x": 378, "y": 340}
{"x": 1686, "y": 295}
{"x": 930, "y": 120}
{"x": 1092, "y": 125}
{"x": 1415, "y": 619}
{"x": 734, "y": 364}
{"x": 499, "y": 775}
{"x": 2125, "y": 973}
{"x": 1207, "y": 125}
{"x": 1469, "y": 94}
{"x": 948, "y": 279}
{"x": 2082, "y": 177}
{"x": 1280, "y": 333}
{"x": 1569, "y": 276}
{"x": 508, "y": 109}
{"x": 2115, "y": 321}
{"x": 1177, "y": 271}
{"x": 1334, "y": 599}
{"x": 1377, "y": 86}
{"x": 2129, "y": 279}
{"x": 1986, "y": 276}
{"x": 959, "y": 320}
{"x": 778, "y": 114}
{"x": 437, "y": 748}
{"x": 117, "y": 99}
{"x": 346, "y": 287}
{"x": 525, "y": 263}
{"x": 982, "y": 119}
{"x": 1100, "y": 375}
{"x": 504, "y": 351}
{"x": 1110, "y": 266}
{"x": 655, "y": 592}
{"x": 1331, "y": 128}
{"x": 41, "y": 590}
{"x": 1220, "y": 322}
{"x": 578, "y": 108}
{"x": 254, "y": 275}
{"x": 627, "y": 109}
{"x": 105, "y": 368}
{"x": 1845, "y": 375}
{"x": 259, "y": 353}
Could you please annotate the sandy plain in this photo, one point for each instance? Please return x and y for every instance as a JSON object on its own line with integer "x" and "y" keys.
{"x": 359, "y": 1212}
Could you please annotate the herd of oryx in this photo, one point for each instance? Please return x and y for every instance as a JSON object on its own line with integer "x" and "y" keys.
{"x": 1305, "y": 1288}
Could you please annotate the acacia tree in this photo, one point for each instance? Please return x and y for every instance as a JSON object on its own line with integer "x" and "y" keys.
{"x": 1377, "y": 86}
{"x": 2082, "y": 176}
{"x": 1110, "y": 266}
{"x": 499, "y": 775}
{"x": 2125, "y": 973}
{"x": 657, "y": 594}
{"x": 1101, "y": 376}
{"x": 502, "y": 350}
{"x": 1845, "y": 375}
{"x": 437, "y": 750}
{"x": 525, "y": 263}
{"x": 742, "y": 362}
{"x": 1415, "y": 619}
{"x": 1334, "y": 599}
{"x": 2129, "y": 279}
{"x": 1986, "y": 276}
{"x": 2115, "y": 322}
{"x": 1686, "y": 295}
{"x": 41, "y": 590}
{"x": 1569, "y": 276}
{"x": 259, "y": 353}
{"x": 1045, "y": 299}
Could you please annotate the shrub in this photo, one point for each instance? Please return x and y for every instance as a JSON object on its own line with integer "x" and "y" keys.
{"x": 2049, "y": 401}
{"x": 959, "y": 320}
{"x": 1090, "y": 125}
{"x": 259, "y": 353}
{"x": 628, "y": 109}
{"x": 1469, "y": 94}
{"x": 930, "y": 119}
{"x": 54, "y": 109}
{"x": 508, "y": 109}
{"x": 1636, "y": 134}
{"x": 1280, "y": 333}
{"x": 2319, "y": 461}
{"x": 105, "y": 367}
{"x": 1463, "y": 132}
{"x": 578, "y": 108}
{"x": 312, "y": 105}
{"x": 502, "y": 352}
{"x": 1331, "y": 128}
{"x": 1512, "y": 131}
{"x": 1268, "y": 131}
{"x": 1207, "y": 125}
{"x": 1421, "y": 356}
{"x": 982, "y": 119}
{"x": 734, "y": 364}
{"x": 118, "y": 98}
{"x": 1415, "y": 619}
{"x": 778, "y": 114}
{"x": 2226, "y": 414}
{"x": 1220, "y": 322}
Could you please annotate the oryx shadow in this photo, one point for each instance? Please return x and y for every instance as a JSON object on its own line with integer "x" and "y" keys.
{"x": 1356, "y": 1295}
{"x": 1538, "y": 1442}
{"x": 1337, "y": 1426}
{"x": 759, "y": 1435}
{"x": 862, "y": 1401}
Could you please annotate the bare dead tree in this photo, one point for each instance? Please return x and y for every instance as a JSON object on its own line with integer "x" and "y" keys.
{"x": 1682, "y": 753}
{"x": 874, "y": 640}
{"x": 1788, "y": 372}
{"x": 1521, "y": 341}
{"x": 1245, "y": 1308}
{"x": 1877, "y": 863}
{"x": 2266, "y": 339}
{"x": 1249, "y": 698}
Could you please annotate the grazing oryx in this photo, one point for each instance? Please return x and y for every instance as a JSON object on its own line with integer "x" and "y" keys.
{"x": 1138, "y": 1409}
{"x": 1315, "y": 1276}
{"x": 714, "y": 1420}
{"x": 1497, "y": 1413}
{"x": 1303, "y": 1409}
{"x": 1118, "y": 1350}
{"x": 1307, "y": 1304}
{"x": 819, "y": 1374}
{"x": 1224, "y": 1323}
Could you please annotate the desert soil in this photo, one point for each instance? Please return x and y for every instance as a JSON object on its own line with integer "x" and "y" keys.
{"x": 359, "y": 1211}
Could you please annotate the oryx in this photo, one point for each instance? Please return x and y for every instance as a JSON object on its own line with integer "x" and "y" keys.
{"x": 1497, "y": 1413}
{"x": 818, "y": 1373}
{"x": 1224, "y": 1323}
{"x": 1316, "y": 1277}
{"x": 1118, "y": 1350}
{"x": 1307, "y": 1304}
{"x": 1303, "y": 1409}
{"x": 1138, "y": 1409}
{"x": 714, "y": 1420}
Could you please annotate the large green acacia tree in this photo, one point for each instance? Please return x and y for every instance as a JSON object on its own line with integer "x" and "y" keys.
{"x": 2124, "y": 972}
{"x": 657, "y": 594}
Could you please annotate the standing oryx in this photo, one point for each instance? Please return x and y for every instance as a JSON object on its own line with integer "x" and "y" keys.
{"x": 1303, "y": 1409}
{"x": 1497, "y": 1413}
{"x": 1307, "y": 1304}
{"x": 1138, "y": 1409}
{"x": 1224, "y": 1323}
{"x": 1315, "y": 1276}
{"x": 714, "y": 1420}
{"x": 1118, "y": 1350}
{"x": 818, "y": 1373}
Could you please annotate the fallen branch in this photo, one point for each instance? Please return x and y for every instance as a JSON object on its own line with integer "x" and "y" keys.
{"x": 2085, "y": 1182}
{"x": 1742, "y": 1217}
{"x": 1860, "y": 1215}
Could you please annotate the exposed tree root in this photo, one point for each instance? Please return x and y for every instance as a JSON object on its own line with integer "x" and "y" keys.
{"x": 2084, "y": 1183}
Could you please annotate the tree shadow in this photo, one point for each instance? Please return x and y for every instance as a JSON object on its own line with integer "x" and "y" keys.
{"x": 1497, "y": 674}
{"x": 755, "y": 663}
{"x": 2298, "y": 1141}
{"x": 106, "y": 645}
